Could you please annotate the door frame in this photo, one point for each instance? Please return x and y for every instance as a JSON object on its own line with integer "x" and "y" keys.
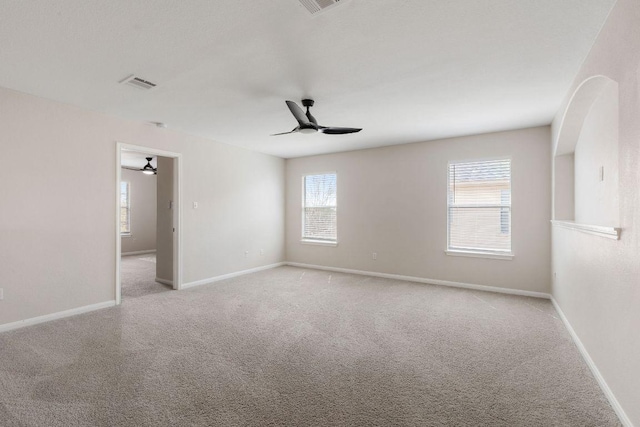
{"x": 177, "y": 212}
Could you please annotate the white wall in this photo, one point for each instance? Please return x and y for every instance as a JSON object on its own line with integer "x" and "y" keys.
{"x": 596, "y": 200}
{"x": 142, "y": 196}
{"x": 564, "y": 186}
{"x": 598, "y": 280}
{"x": 393, "y": 201}
{"x": 57, "y": 228}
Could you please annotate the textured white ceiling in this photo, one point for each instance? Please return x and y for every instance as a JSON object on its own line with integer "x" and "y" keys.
{"x": 134, "y": 159}
{"x": 404, "y": 70}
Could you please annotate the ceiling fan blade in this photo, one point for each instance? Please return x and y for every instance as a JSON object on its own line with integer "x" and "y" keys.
{"x": 338, "y": 131}
{"x": 298, "y": 113}
{"x": 286, "y": 133}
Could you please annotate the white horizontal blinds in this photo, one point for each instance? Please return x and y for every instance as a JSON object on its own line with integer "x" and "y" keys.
{"x": 319, "y": 216}
{"x": 480, "y": 206}
{"x": 125, "y": 208}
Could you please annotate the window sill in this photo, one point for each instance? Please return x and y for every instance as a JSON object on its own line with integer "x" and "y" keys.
{"x": 126, "y": 235}
{"x": 318, "y": 242}
{"x": 598, "y": 230}
{"x": 489, "y": 255}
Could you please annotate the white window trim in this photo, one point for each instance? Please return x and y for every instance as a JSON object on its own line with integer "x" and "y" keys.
{"x": 317, "y": 242}
{"x": 478, "y": 253}
{"x": 507, "y": 256}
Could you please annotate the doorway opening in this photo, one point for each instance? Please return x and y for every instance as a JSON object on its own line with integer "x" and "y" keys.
{"x": 148, "y": 249}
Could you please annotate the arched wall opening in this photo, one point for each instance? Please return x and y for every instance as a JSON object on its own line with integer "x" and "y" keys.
{"x": 585, "y": 162}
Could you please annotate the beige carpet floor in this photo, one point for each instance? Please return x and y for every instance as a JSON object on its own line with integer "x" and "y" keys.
{"x": 138, "y": 276}
{"x": 302, "y": 347}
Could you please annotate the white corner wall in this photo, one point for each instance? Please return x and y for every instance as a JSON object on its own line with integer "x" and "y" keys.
{"x": 597, "y": 284}
{"x": 142, "y": 195}
{"x": 57, "y": 244}
{"x": 393, "y": 201}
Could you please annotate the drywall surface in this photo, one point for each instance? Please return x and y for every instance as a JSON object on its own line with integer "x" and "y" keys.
{"x": 564, "y": 181}
{"x": 393, "y": 201}
{"x": 142, "y": 196}
{"x": 598, "y": 280}
{"x": 596, "y": 164}
{"x": 58, "y": 238}
{"x": 165, "y": 223}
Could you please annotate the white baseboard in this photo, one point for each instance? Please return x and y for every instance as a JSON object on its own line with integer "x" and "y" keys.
{"x": 230, "y": 275}
{"x": 55, "y": 316}
{"x": 624, "y": 419}
{"x": 152, "y": 251}
{"x": 425, "y": 280}
{"x": 164, "y": 281}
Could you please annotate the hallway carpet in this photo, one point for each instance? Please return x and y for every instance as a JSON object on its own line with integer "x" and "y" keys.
{"x": 301, "y": 347}
{"x": 138, "y": 276}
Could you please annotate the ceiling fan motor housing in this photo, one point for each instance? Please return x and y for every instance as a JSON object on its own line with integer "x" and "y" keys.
{"x": 308, "y": 124}
{"x": 308, "y": 129}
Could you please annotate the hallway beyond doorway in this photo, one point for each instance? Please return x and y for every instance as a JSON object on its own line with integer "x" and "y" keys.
{"x": 138, "y": 273}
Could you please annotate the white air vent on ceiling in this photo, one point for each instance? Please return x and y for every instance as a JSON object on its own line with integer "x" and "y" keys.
{"x": 138, "y": 82}
{"x": 316, "y": 6}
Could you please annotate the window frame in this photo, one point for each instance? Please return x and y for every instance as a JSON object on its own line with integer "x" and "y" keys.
{"x": 311, "y": 241}
{"x": 127, "y": 207}
{"x": 479, "y": 252}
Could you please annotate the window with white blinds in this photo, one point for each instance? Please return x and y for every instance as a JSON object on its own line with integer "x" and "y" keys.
{"x": 319, "y": 219}
{"x": 125, "y": 208}
{"x": 479, "y": 206}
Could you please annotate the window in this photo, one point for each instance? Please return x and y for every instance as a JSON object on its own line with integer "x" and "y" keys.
{"x": 505, "y": 212}
{"x": 479, "y": 207}
{"x": 319, "y": 208}
{"x": 125, "y": 209}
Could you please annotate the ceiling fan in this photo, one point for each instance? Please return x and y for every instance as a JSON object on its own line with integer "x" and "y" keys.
{"x": 147, "y": 169}
{"x": 308, "y": 124}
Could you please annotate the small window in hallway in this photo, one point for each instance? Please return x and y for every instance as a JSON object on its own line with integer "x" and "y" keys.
{"x": 125, "y": 209}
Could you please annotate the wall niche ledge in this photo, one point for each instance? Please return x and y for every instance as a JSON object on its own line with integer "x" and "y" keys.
{"x": 598, "y": 230}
